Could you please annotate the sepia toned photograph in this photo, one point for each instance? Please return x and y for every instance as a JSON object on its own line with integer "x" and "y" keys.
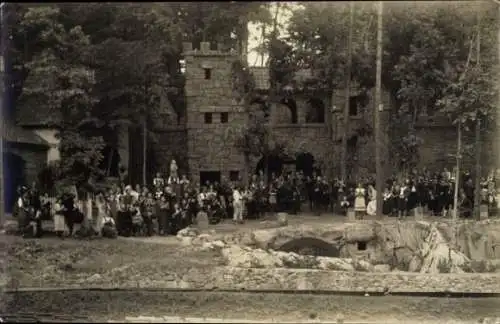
{"x": 250, "y": 162}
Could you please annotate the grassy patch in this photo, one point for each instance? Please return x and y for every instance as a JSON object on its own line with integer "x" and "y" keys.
{"x": 50, "y": 262}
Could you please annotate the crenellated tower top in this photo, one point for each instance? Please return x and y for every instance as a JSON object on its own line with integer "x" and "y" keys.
{"x": 205, "y": 50}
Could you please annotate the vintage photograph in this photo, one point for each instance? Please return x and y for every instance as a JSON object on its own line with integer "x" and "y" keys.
{"x": 250, "y": 162}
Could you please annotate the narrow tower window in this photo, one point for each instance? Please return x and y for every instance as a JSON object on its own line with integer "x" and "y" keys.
{"x": 208, "y": 74}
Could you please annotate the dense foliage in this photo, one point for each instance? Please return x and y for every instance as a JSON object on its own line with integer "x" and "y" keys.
{"x": 426, "y": 50}
{"x": 89, "y": 68}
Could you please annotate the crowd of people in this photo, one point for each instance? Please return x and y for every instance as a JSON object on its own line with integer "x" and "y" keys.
{"x": 173, "y": 203}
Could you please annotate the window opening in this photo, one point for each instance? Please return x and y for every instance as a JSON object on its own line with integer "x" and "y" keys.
{"x": 234, "y": 175}
{"x": 208, "y": 74}
{"x": 224, "y": 117}
{"x": 361, "y": 246}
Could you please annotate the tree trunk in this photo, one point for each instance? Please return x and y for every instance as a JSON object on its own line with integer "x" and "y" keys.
{"x": 497, "y": 117}
{"x": 2, "y": 99}
{"x": 246, "y": 172}
{"x": 243, "y": 40}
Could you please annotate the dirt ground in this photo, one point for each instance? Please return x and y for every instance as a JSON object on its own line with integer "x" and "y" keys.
{"x": 51, "y": 262}
{"x": 115, "y": 305}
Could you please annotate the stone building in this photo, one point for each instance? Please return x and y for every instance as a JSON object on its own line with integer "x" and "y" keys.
{"x": 305, "y": 122}
{"x": 25, "y": 155}
{"x": 311, "y": 124}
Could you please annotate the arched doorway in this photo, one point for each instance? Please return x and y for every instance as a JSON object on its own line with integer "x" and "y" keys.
{"x": 305, "y": 163}
{"x": 13, "y": 178}
{"x": 260, "y": 105}
{"x": 315, "y": 111}
{"x": 274, "y": 165}
{"x": 311, "y": 246}
{"x": 292, "y": 105}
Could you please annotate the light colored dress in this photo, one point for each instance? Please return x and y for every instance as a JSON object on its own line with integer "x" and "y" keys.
{"x": 359, "y": 201}
{"x": 59, "y": 224}
{"x": 371, "y": 209}
{"x": 101, "y": 215}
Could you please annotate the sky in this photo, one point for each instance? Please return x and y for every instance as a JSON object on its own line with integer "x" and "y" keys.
{"x": 255, "y": 38}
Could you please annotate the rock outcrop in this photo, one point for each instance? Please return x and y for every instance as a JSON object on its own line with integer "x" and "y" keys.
{"x": 425, "y": 247}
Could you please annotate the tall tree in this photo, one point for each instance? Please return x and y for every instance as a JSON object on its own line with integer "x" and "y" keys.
{"x": 60, "y": 84}
{"x": 422, "y": 43}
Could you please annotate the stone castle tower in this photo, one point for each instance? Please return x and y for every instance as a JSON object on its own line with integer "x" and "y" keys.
{"x": 211, "y": 114}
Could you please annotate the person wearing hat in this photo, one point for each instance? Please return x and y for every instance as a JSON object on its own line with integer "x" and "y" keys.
{"x": 71, "y": 214}
{"x": 22, "y": 210}
{"x": 124, "y": 222}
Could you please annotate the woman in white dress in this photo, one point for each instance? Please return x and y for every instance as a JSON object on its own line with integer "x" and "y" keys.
{"x": 102, "y": 209}
{"x": 59, "y": 224}
{"x": 359, "y": 201}
{"x": 371, "y": 209}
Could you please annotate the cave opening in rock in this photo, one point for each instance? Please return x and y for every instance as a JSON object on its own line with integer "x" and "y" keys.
{"x": 361, "y": 246}
{"x": 311, "y": 246}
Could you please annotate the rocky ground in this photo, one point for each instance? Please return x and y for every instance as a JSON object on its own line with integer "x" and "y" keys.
{"x": 250, "y": 257}
{"x": 425, "y": 247}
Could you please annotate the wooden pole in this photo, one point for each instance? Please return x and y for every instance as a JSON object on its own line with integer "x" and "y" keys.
{"x": 144, "y": 149}
{"x": 343, "y": 158}
{"x": 457, "y": 177}
{"x": 378, "y": 108}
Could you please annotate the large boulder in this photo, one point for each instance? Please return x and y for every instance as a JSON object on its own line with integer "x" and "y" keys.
{"x": 439, "y": 257}
{"x": 245, "y": 257}
{"x": 479, "y": 240}
{"x": 359, "y": 232}
{"x": 236, "y": 256}
{"x": 335, "y": 264}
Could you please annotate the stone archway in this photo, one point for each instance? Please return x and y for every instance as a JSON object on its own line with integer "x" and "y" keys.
{"x": 315, "y": 111}
{"x": 311, "y": 246}
{"x": 14, "y": 178}
{"x": 292, "y": 106}
{"x": 273, "y": 164}
{"x": 305, "y": 162}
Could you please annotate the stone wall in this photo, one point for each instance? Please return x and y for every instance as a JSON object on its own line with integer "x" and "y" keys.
{"x": 210, "y": 146}
{"x": 438, "y": 135}
{"x": 231, "y": 278}
{"x": 49, "y": 135}
{"x": 439, "y": 147}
